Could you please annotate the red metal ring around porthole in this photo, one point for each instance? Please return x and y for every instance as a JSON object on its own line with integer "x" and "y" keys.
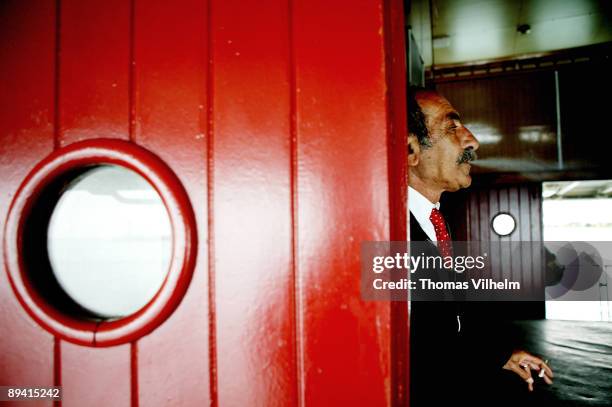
{"x": 81, "y": 155}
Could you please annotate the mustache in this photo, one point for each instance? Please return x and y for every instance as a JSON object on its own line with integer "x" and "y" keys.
{"x": 468, "y": 155}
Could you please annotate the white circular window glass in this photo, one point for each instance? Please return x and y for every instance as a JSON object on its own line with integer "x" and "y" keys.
{"x": 503, "y": 224}
{"x": 110, "y": 241}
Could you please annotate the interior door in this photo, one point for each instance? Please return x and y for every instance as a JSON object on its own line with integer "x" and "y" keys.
{"x": 282, "y": 123}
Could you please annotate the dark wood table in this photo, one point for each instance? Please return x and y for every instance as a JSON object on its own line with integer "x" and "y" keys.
{"x": 580, "y": 353}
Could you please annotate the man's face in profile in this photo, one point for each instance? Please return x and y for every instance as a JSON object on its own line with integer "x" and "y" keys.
{"x": 445, "y": 162}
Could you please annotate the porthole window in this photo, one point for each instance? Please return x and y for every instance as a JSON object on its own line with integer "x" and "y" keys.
{"x": 109, "y": 241}
{"x": 503, "y": 224}
{"x": 101, "y": 242}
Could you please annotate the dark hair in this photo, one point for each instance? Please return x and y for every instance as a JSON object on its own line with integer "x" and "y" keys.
{"x": 416, "y": 118}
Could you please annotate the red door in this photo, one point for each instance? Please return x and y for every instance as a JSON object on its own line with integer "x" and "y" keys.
{"x": 276, "y": 131}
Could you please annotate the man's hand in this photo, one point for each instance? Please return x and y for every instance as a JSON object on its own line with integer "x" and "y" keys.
{"x": 522, "y": 363}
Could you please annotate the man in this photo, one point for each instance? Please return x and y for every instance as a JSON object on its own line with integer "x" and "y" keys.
{"x": 451, "y": 346}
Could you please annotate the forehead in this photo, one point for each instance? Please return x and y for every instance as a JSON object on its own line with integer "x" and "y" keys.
{"x": 434, "y": 105}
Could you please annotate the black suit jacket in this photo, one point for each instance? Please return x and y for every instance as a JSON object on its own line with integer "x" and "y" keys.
{"x": 448, "y": 364}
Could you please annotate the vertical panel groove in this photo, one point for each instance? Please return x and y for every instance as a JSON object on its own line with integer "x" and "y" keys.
{"x": 131, "y": 73}
{"x": 536, "y": 194}
{"x": 297, "y": 286}
{"x": 57, "y": 366}
{"x": 212, "y": 344}
{"x": 56, "y": 79}
{"x": 531, "y": 259}
{"x": 476, "y": 216}
{"x": 518, "y": 231}
{"x": 134, "y": 373}
{"x": 393, "y": 64}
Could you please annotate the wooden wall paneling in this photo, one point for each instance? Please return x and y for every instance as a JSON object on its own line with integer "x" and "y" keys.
{"x": 395, "y": 69}
{"x": 95, "y": 376}
{"x": 524, "y": 231}
{"x": 455, "y": 207}
{"x": 484, "y": 103}
{"x": 505, "y": 252}
{"x": 473, "y": 232}
{"x": 396, "y": 77}
{"x": 516, "y": 261}
{"x": 516, "y": 248}
{"x": 483, "y": 223}
{"x": 93, "y": 102}
{"x": 515, "y": 136}
{"x": 27, "y": 76}
{"x": 252, "y": 204}
{"x": 343, "y": 198}
{"x": 496, "y": 260}
{"x": 477, "y": 213}
{"x": 535, "y": 202}
{"x": 172, "y": 365}
{"x": 286, "y": 179}
{"x": 534, "y": 116}
{"x": 94, "y": 69}
{"x": 468, "y": 218}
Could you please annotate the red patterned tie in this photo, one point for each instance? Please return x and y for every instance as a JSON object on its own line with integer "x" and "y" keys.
{"x": 444, "y": 240}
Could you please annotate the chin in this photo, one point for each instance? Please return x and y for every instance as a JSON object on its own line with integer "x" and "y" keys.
{"x": 462, "y": 181}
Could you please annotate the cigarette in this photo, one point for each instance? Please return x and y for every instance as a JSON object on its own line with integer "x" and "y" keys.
{"x": 529, "y": 379}
{"x": 541, "y": 374}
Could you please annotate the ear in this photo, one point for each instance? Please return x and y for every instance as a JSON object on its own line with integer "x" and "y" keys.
{"x": 414, "y": 151}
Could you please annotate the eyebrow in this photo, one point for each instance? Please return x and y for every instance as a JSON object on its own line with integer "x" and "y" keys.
{"x": 453, "y": 116}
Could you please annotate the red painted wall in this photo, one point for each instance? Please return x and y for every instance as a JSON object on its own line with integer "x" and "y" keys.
{"x": 285, "y": 122}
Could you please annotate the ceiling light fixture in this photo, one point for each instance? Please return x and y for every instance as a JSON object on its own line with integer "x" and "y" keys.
{"x": 523, "y": 29}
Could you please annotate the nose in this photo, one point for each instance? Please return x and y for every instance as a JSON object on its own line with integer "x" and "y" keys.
{"x": 469, "y": 141}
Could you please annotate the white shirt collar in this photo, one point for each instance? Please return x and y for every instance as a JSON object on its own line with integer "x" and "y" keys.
{"x": 421, "y": 209}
